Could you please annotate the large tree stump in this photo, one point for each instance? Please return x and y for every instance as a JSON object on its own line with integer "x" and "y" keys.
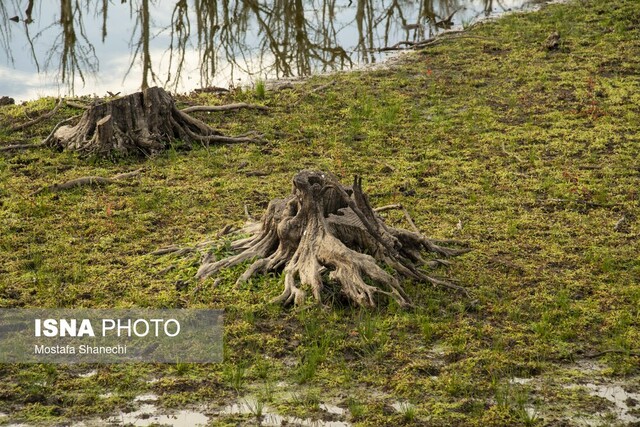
{"x": 324, "y": 233}
{"x": 141, "y": 123}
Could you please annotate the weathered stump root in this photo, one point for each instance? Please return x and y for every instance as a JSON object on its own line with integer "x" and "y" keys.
{"x": 88, "y": 181}
{"x": 326, "y": 232}
{"x": 141, "y": 123}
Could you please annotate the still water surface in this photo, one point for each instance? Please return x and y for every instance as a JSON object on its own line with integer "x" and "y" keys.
{"x": 94, "y": 46}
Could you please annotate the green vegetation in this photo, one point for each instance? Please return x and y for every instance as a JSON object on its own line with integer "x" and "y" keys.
{"x": 529, "y": 155}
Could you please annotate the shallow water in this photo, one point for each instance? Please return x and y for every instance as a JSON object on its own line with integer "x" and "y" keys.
{"x": 88, "y": 48}
{"x": 250, "y": 405}
{"x": 147, "y": 415}
{"x": 620, "y": 397}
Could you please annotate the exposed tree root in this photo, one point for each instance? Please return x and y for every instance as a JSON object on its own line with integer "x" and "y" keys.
{"x": 18, "y": 147}
{"x": 38, "y": 119}
{"x": 328, "y": 233}
{"x": 75, "y": 104}
{"x": 635, "y": 353}
{"x": 228, "y": 107}
{"x": 44, "y": 142}
{"x": 87, "y": 180}
{"x": 141, "y": 123}
{"x": 440, "y": 38}
{"x": 404, "y": 210}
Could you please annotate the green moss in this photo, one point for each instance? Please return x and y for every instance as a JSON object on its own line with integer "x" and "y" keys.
{"x": 528, "y": 155}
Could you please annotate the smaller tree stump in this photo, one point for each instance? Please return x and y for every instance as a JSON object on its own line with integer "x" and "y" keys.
{"x": 141, "y": 123}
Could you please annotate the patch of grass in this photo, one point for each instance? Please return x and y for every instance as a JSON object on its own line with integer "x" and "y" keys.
{"x": 256, "y": 407}
{"x": 528, "y": 155}
{"x": 234, "y": 375}
{"x": 261, "y": 90}
{"x": 356, "y": 409}
{"x": 408, "y": 412}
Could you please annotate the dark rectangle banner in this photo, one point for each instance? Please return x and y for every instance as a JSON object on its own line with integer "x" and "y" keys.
{"x": 110, "y": 335}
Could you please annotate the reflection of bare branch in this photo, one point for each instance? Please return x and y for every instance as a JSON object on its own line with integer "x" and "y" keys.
{"x": 279, "y": 38}
{"x": 143, "y": 21}
{"x": 207, "y": 27}
{"x": 75, "y": 57}
{"x": 29, "y": 12}
{"x": 180, "y": 32}
{"x": 293, "y": 40}
{"x": 364, "y": 19}
{"x": 5, "y": 32}
{"x": 145, "y": 24}
{"x": 104, "y": 13}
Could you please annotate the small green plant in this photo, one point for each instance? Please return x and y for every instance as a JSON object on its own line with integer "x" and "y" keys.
{"x": 234, "y": 375}
{"x": 372, "y": 336}
{"x": 356, "y": 409}
{"x": 528, "y": 416}
{"x": 256, "y": 406}
{"x": 455, "y": 384}
{"x": 261, "y": 89}
{"x": 181, "y": 368}
{"x": 408, "y": 411}
{"x": 314, "y": 355}
{"x": 367, "y": 327}
{"x": 515, "y": 399}
{"x": 267, "y": 391}
{"x": 317, "y": 341}
{"x": 262, "y": 368}
{"x": 309, "y": 400}
{"x": 312, "y": 400}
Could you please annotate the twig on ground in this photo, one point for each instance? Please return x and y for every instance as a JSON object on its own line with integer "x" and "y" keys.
{"x": 508, "y": 153}
{"x": 38, "y": 119}
{"x": 247, "y": 214}
{"x": 315, "y": 90}
{"x": 227, "y": 107}
{"x": 87, "y": 180}
{"x": 173, "y": 249}
{"x": 613, "y": 351}
{"x": 15, "y": 147}
{"x": 404, "y": 210}
{"x": 449, "y": 35}
{"x": 323, "y": 87}
{"x": 75, "y": 104}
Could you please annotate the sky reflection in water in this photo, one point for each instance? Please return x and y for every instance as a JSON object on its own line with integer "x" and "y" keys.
{"x": 77, "y": 47}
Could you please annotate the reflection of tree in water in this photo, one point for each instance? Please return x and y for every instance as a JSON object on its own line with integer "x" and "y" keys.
{"x": 5, "y": 30}
{"x": 72, "y": 46}
{"x": 294, "y": 37}
{"x": 297, "y": 43}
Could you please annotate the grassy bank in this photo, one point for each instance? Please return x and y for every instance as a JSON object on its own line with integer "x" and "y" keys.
{"x": 529, "y": 155}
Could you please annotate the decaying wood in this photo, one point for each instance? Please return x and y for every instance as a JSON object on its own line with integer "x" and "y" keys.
{"x": 635, "y": 353}
{"x": 325, "y": 233}
{"x": 44, "y": 142}
{"x": 76, "y": 104}
{"x": 228, "y": 107}
{"x": 16, "y": 147}
{"x": 141, "y": 123}
{"x": 87, "y": 180}
{"x": 422, "y": 44}
{"x": 404, "y": 211}
{"x": 38, "y": 119}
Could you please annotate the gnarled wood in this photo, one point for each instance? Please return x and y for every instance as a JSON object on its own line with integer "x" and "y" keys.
{"x": 326, "y": 232}
{"x": 88, "y": 181}
{"x": 141, "y": 123}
